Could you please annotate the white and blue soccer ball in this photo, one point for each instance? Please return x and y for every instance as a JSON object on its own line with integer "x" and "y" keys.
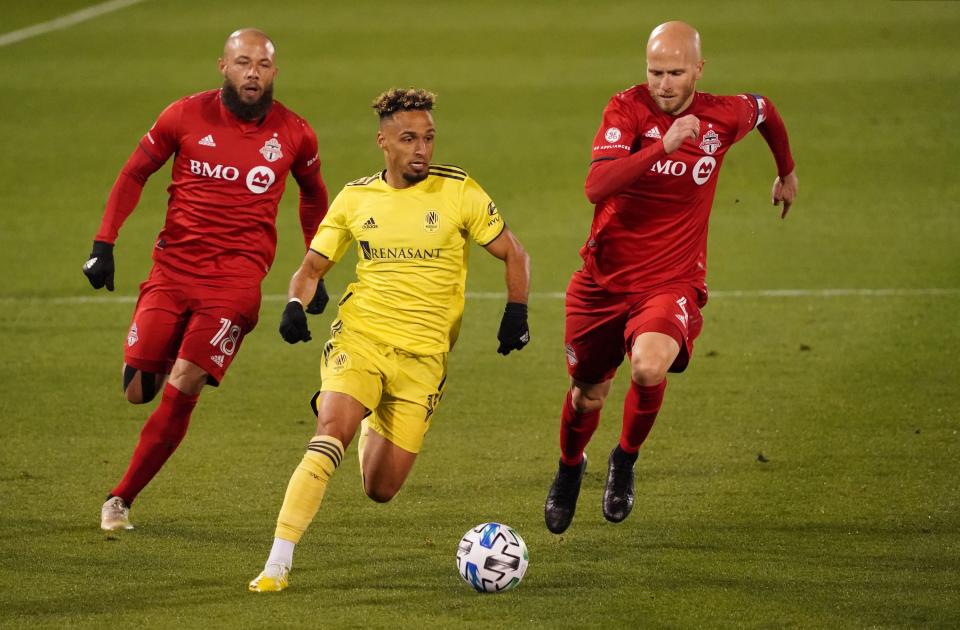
{"x": 492, "y": 558}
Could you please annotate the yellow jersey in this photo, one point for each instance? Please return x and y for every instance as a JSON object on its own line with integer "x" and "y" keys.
{"x": 412, "y": 254}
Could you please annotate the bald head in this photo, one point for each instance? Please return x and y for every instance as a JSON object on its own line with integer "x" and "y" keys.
{"x": 245, "y": 37}
{"x": 674, "y": 65}
{"x": 678, "y": 40}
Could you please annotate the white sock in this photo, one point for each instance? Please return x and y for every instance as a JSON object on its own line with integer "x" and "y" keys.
{"x": 281, "y": 553}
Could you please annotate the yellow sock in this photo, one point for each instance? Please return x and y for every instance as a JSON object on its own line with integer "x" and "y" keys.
{"x": 307, "y": 485}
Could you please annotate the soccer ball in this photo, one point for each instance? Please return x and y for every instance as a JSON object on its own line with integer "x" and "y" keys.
{"x": 492, "y": 558}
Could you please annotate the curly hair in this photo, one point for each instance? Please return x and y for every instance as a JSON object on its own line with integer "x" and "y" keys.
{"x": 403, "y": 100}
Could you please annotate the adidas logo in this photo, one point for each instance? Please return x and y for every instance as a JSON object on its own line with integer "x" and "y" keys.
{"x": 207, "y": 141}
{"x": 369, "y": 224}
{"x": 218, "y": 359}
{"x": 653, "y": 132}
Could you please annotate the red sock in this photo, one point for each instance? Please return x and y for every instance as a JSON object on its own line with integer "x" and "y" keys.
{"x": 640, "y": 409}
{"x": 159, "y": 438}
{"x": 576, "y": 429}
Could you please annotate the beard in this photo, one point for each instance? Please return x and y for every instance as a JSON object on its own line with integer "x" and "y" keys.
{"x": 246, "y": 111}
{"x": 415, "y": 178}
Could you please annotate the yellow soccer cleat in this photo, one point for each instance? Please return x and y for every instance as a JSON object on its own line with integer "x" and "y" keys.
{"x": 272, "y": 578}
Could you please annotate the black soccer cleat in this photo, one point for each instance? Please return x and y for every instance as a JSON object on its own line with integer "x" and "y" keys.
{"x": 618, "y": 493}
{"x": 562, "y": 498}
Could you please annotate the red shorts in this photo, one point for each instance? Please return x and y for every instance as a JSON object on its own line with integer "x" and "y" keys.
{"x": 204, "y": 325}
{"x": 601, "y": 326}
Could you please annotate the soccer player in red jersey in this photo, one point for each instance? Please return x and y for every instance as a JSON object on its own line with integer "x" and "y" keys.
{"x": 233, "y": 148}
{"x": 653, "y": 176}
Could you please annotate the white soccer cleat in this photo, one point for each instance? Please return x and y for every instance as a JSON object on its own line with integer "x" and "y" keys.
{"x": 273, "y": 578}
{"x": 114, "y": 515}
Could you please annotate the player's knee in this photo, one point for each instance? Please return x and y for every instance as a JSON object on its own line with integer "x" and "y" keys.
{"x": 646, "y": 370}
{"x": 586, "y": 401}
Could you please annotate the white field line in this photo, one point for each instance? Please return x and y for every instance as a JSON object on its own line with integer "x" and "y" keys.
{"x": 65, "y": 21}
{"x": 109, "y": 298}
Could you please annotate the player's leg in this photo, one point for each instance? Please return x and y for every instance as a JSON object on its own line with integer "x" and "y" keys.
{"x": 395, "y": 432}
{"x": 155, "y": 333}
{"x": 594, "y": 350}
{"x": 663, "y": 329}
{"x": 579, "y": 419}
{"x": 338, "y": 417}
{"x": 352, "y": 383}
{"x": 385, "y": 467}
{"x": 211, "y": 337}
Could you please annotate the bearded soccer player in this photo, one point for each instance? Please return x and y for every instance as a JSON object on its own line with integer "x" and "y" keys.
{"x": 233, "y": 149}
{"x": 384, "y": 368}
{"x": 653, "y": 176}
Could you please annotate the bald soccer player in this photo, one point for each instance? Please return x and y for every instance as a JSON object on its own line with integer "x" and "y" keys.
{"x": 233, "y": 148}
{"x": 652, "y": 179}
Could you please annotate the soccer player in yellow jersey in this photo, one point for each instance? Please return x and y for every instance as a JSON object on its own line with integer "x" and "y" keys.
{"x": 384, "y": 367}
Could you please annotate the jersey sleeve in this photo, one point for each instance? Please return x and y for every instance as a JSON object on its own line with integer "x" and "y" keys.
{"x": 307, "y": 161}
{"x": 153, "y": 150}
{"x": 313, "y": 191}
{"x": 162, "y": 140}
{"x": 758, "y": 112}
{"x": 481, "y": 219}
{"x": 617, "y": 133}
{"x": 333, "y": 236}
{"x": 750, "y": 111}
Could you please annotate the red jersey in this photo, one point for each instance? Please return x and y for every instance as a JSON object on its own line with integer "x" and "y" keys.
{"x": 227, "y": 179}
{"x": 654, "y": 232}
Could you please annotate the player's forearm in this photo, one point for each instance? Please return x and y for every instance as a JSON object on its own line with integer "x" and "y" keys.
{"x": 517, "y": 263}
{"x": 774, "y": 131}
{"x": 610, "y": 177}
{"x": 125, "y": 194}
{"x": 303, "y": 284}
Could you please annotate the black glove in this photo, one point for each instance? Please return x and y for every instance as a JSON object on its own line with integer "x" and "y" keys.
{"x": 514, "y": 333}
{"x": 99, "y": 267}
{"x": 293, "y": 324}
{"x": 319, "y": 301}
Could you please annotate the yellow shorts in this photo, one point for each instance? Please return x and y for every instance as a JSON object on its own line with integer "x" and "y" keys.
{"x": 402, "y": 390}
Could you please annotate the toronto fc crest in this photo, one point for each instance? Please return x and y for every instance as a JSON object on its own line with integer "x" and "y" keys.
{"x": 710, "y": 142}
{"x": 271, "y": 150}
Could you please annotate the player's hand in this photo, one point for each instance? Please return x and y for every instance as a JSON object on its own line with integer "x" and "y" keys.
{"x": 785, "y": 190}
{"x": 682, "y": 128}
{"x": 99, "y": 267}
{"x": 319, "y": 301}
{"x": 514, "y": 333}
{"x": 293, "y": 324}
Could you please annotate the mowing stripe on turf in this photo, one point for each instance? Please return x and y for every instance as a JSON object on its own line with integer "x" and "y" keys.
{"x": 549, "y": 295}
{"x": 65, "y": 21}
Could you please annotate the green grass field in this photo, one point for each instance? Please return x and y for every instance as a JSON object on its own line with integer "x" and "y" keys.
{"x": 854, "y": 520}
